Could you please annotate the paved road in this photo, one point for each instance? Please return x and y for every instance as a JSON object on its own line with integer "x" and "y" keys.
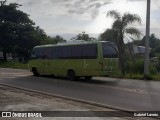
{"x": 127, "y": 94}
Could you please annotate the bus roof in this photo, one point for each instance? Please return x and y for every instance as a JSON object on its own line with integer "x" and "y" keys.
{"x": 68, "y": 43}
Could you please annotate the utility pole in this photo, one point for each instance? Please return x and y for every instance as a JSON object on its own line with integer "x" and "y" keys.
{"x": 146, "y": 62}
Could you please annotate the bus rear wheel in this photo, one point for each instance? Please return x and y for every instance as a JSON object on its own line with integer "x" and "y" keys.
{"x": 71, "y": 75}
{"x": 35, "y": 72}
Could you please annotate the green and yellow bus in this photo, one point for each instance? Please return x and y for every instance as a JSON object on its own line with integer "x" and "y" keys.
{"x": 75, "y": 59}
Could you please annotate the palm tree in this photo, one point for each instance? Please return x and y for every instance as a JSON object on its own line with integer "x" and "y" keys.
{"x": 121, "y": 28}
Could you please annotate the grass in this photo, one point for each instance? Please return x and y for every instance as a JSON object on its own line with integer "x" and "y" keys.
{"x": 156, "y": 77}
{"x": 13, "y": 64}
{"x": 138, "y": 76}
{"x": 134, "y": 76}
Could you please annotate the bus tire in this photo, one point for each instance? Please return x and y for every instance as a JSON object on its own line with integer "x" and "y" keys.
{"x": 71, "y": 75}
{"x": 88, "y": 77}
{"x": 35, "y": 72}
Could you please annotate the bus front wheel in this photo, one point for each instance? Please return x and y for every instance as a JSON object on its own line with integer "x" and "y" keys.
{"x": 71, "y": 75}
{"x": 35, "y": 72}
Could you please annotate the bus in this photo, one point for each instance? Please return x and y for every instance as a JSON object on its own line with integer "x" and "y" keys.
{"x": 75, "y": 59}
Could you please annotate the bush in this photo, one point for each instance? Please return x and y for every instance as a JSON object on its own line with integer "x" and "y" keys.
{"x": 138, "y": 67}
{"x": 153, "y": 69}
{"x": 148, "y": 77}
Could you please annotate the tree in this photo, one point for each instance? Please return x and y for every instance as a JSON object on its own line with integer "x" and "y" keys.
{"x": 18, "y": 33}
{"x": 83, "y": 36}
{"x": 109, "y": 35}
{"x": 120, "y": 29}
{"x": 153, "y": 41}
{"x": 13, "y": 23}
{"x": 58, "y": 38}
{"x": 3, "y": 2}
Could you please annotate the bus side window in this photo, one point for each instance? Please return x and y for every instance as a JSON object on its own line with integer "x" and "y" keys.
{"x": 77, "y": 52}
{"x": 66, "y": 52}
{"x": 55, "y": 52}
{"x": 39, "y": 53}
{"x": 90, "y": 51}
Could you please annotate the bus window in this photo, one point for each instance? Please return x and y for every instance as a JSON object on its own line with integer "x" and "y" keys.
{"x": 77, "y": 52}
{"x": 38, "y": 52}
{"x": 90, "y": 51}
{"x": 55, "y": 52}
{"x": 66, "y": 52}
{"x": 47, "y": 53}
{"x": 109, "y": 51}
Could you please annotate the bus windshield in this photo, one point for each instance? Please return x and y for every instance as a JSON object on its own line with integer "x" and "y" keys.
{"x": 109, "y": 50}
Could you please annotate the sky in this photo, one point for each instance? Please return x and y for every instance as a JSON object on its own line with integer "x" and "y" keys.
{"x": 70, "y": 17}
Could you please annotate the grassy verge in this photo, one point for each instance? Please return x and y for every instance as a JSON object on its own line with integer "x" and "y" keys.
{"x": 13, "y": 64}
{"x": 138, "y": 76}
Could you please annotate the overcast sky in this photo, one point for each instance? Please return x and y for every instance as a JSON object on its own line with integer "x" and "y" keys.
{"x": 70, "y": 17}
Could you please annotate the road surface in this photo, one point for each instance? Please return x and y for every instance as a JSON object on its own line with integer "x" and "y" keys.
{"x": 136, "y": 95}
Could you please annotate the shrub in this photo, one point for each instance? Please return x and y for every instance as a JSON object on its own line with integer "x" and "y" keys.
{"x": 138, "y": 67}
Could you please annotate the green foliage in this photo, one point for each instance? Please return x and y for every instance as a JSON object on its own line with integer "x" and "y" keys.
{"x": 83, "y": 36}
{"x": 154, "y": 43}
{"x": 137, "y": 67}
{"x": 156, "y": 49}
{"x": 18, "y": 32}
{"x": 134, "y": 76}
{"x": 14, "y": 25}
{"x": 156, "y": 77}
{"x": 13, "y": 64}
{"x": 148, "y": 77}
{"x": 109, "y": 35}
{"x": 155, "y": 61}
{"x": 52, "y": 40}
{"x": 153, "y": 69}
{"x": 158, "y": 57}
{"x": 120, "y": 28}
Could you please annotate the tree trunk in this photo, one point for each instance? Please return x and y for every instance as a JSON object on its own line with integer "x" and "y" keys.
{"x": 4, "y": 55}
{"x": 121, "y": 61}
{"x": 121, "y": 56}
